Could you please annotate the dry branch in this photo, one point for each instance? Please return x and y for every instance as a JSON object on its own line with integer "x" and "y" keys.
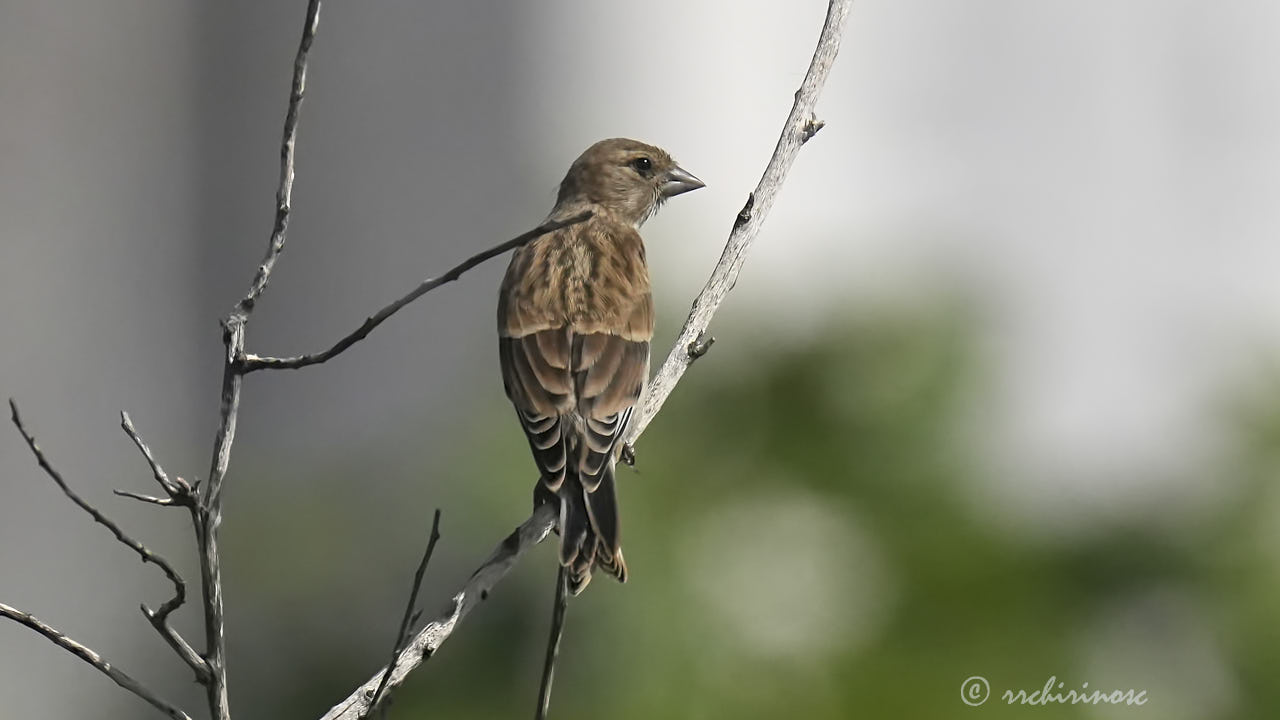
{"x": 559, "y": 604}
{"x": 476, "y": 590}
{"x": 208, "y": 515}
{"x": 158, "y": 618}
{"x": 254, "y": 362}
{"x": 177, "y": 489}
{"x": 90, "y": 656}
{"x": 179, "y": 587}
{"x": 183, "y": 495}
{"x": 801, "y": 125}
{"x": 402, "y": 635}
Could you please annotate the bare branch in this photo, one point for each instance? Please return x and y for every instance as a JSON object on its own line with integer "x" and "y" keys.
{"x": 801, "y": 125}
{"x": 179, "y": 587}
{"x": 284, "y": 194}
{"x": 402, "y": 635}
{"x": 159, "y": 618}
{"x": 92, "y": 657}
{"x": 431, "y": 637}
{"x": 145, "y": 498}
{"x": 143, "y": 552}
{"x": 178, "y": 490}
{"x": 254, "y": 362}
{"x": 559, "y": 605}
{"x": 207, "y": 514}
{"x": 180, "y": 494}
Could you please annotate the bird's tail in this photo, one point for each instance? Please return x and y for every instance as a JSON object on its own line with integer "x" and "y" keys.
{"x": 588, "y": 528}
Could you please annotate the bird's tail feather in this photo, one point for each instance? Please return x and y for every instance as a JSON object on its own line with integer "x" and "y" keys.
{"x": 589, "y": 530}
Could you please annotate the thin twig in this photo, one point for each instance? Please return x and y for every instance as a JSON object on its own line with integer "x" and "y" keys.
{"x": 430, "y": 638}
{"x": 402, "y": 635}
{"x": 178, "y": 490}
{"x": 801, "y": 125}
{"x": 284, "y": 193}
{"x": 167, "y": 502}
{"x": 158, "y": 618}
{"x": 180, "y": 494}
{"x": 95, "y": 659}
{"x": 208, "y": 514}
{"x": 254, "y": 362}
{"x": 558, "y": 607}
{"x": 108, "y": 523}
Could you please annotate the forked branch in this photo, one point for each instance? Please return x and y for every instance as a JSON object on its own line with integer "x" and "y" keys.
{"x": 158, "y": 618}
{"x": 254, "y": 362}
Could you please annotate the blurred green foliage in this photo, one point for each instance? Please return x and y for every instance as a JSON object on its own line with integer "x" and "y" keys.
{"x": 805, "y": 541}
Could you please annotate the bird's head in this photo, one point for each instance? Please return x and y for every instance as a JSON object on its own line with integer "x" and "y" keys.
{"x": 626, "y": 177}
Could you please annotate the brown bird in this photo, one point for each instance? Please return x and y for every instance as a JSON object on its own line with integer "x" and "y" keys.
{"x": 575, "y": 317}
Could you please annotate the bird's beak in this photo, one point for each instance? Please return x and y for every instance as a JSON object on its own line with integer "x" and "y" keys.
{"x": 678, "y": 180}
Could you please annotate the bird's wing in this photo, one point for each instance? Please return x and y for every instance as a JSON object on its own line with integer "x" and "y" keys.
{"x": 575, "y": 320}
{"x": 551, "y": 373}
{"x": 609, "y": 375}
{"x": 536, "y": 374}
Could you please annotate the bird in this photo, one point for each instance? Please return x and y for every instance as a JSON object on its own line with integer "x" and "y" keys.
{"x": 575, "y": 319}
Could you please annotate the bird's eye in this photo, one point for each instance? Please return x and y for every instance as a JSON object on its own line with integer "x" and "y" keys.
{"x": 642, "y": 165}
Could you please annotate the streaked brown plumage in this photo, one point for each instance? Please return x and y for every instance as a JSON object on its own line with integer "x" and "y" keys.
{"x": 575, "y": 317}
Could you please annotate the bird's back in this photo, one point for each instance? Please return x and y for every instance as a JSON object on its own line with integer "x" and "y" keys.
{"x": 591, "y": 276}
{"x": 575, "y": 319}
